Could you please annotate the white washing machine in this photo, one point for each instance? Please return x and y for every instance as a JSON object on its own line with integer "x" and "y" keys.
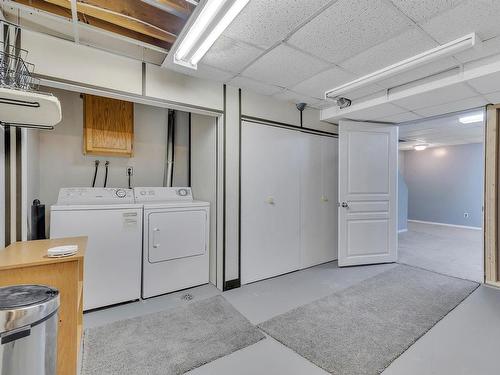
{"x": 175, "y": 240}
{"x": 113, "y": 224}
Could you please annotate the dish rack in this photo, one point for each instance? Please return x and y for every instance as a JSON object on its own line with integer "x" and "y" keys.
{"x": 15, "y": 71}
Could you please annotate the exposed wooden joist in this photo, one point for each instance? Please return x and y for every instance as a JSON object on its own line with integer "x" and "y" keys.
{"x": 64, "y": 12}
{"x": 181, "y": 8}
{"x": 118, "y": 20}
{"x": 125, "y": 32}
{"x": 141, "y": 11}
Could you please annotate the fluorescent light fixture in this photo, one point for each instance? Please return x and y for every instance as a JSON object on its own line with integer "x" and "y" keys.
{"x": 423, "y": 58}
{"x": 471, "y": 119}
{"x": 420, "y": 147}
{"x": 212, "y": 20}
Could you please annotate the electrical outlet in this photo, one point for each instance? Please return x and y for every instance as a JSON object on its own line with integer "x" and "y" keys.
{"x": 466, "y": 215}
{"x": 129, "y": 171}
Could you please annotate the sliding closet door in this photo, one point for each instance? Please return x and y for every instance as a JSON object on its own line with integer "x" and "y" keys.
{"x": 270, "y": 201}
{"x": 318, "y": 200}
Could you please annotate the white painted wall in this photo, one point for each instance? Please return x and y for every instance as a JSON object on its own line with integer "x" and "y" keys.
{"x": 204, "y": 175}
{"x": 61, "y": 150}
{"x": 66, "y": 60}
{"x": 168, "y": 85}
{"x": 57, "y": 160}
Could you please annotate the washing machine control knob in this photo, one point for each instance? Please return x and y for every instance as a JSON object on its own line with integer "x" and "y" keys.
{"x": 182, "y": 192}
{"x": 120, "y": 193}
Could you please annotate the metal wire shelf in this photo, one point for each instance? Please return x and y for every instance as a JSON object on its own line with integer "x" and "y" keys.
{"x": 15, "y": 71}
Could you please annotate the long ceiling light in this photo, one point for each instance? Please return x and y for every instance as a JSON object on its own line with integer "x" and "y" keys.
{"x": 420, "y": 147}
{"x": 211, "y": 21}
{"x": 471, "y": 119}
{"x": 423, "y": 58}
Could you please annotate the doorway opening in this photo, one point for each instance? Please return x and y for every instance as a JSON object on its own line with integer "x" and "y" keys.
{"x": 441, "y": 194}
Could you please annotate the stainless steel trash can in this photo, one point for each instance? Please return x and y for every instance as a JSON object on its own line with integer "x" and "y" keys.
{"x": 28, "y": 330}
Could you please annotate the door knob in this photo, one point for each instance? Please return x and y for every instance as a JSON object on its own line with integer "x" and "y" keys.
{"x": 270, "y": 200}
{"x": 324, "y": 198}
{"x": 345, "y": 205}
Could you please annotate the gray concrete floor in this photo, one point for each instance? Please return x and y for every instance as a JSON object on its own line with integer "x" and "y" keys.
{"x": 462, "y": 341}
{"x": 451, "y": 251}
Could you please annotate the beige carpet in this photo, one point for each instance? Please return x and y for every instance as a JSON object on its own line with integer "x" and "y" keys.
{"x": 451, "y": 251}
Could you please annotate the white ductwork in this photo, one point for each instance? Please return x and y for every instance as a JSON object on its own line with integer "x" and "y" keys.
{"x": 32, "y": 109}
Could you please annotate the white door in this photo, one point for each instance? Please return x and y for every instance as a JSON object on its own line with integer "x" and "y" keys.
{"x": 368, "y": 162}
{"x": 318, "y": 200}
{"x": 270, "y": 201}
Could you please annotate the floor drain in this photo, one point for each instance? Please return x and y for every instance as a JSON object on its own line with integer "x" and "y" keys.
{"x": 187, "y": 297}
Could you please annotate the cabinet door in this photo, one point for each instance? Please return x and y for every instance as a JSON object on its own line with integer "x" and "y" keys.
{"x": 270, "y": 201}
{"x": 318, "y": 200}
{"x": 108, "y": 126}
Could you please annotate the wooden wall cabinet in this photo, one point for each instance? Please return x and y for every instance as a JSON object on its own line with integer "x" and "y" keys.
{"x": 108, "y": 126}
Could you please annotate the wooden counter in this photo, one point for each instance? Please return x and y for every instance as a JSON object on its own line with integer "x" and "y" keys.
{"x": 27, "y": 263}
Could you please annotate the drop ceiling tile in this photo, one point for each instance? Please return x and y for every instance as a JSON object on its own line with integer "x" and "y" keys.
{"x": 419, "y": 73}
{"x": 318, "y": 84}
{"x": 284, "y": 66}
{"x": 459, "y": 105}
{"x": 480, "y": 16}
{"x": 401, "y": 47}
{"x": 349, "y": 27}
{"x": 400, "y": 117}
{"x": 424, "y": 9}
{"x": 265, "y": 22}
{"x": 295, "y": 97}
{"x": 257, "y": 87}
{"x": 230, "y": 55}
{"x": 486, "y": 84}
{"x": 487, "y": 48}
{"x": 436, "y": 97}
{"x": 493, "y": 98}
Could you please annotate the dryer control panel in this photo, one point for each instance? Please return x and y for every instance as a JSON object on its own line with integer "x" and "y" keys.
{"x": 162, "y": 194}
{"x": 69, "y": 196}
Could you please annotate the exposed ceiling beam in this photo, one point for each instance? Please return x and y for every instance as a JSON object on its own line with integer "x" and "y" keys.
{"x": 94, "y": 22}
{"x": 142, "y": 11}
{"x": 181, "y": 8}
{"x": 118, "y": 19}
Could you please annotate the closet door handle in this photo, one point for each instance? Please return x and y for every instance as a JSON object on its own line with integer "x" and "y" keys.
{"x": 156, "y": 233}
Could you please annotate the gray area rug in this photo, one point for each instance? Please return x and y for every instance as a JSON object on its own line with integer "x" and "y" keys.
{"x": 363, "y": 328}
{"x": 168, "y": 342}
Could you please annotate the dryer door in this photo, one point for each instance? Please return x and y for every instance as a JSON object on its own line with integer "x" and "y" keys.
{"x": 176, "y": 234}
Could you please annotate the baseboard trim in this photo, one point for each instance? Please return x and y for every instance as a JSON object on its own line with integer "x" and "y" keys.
{"x": 403, "y": 230}
{"x": 444, "y": 224}
{"x": 232, "y": 284}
